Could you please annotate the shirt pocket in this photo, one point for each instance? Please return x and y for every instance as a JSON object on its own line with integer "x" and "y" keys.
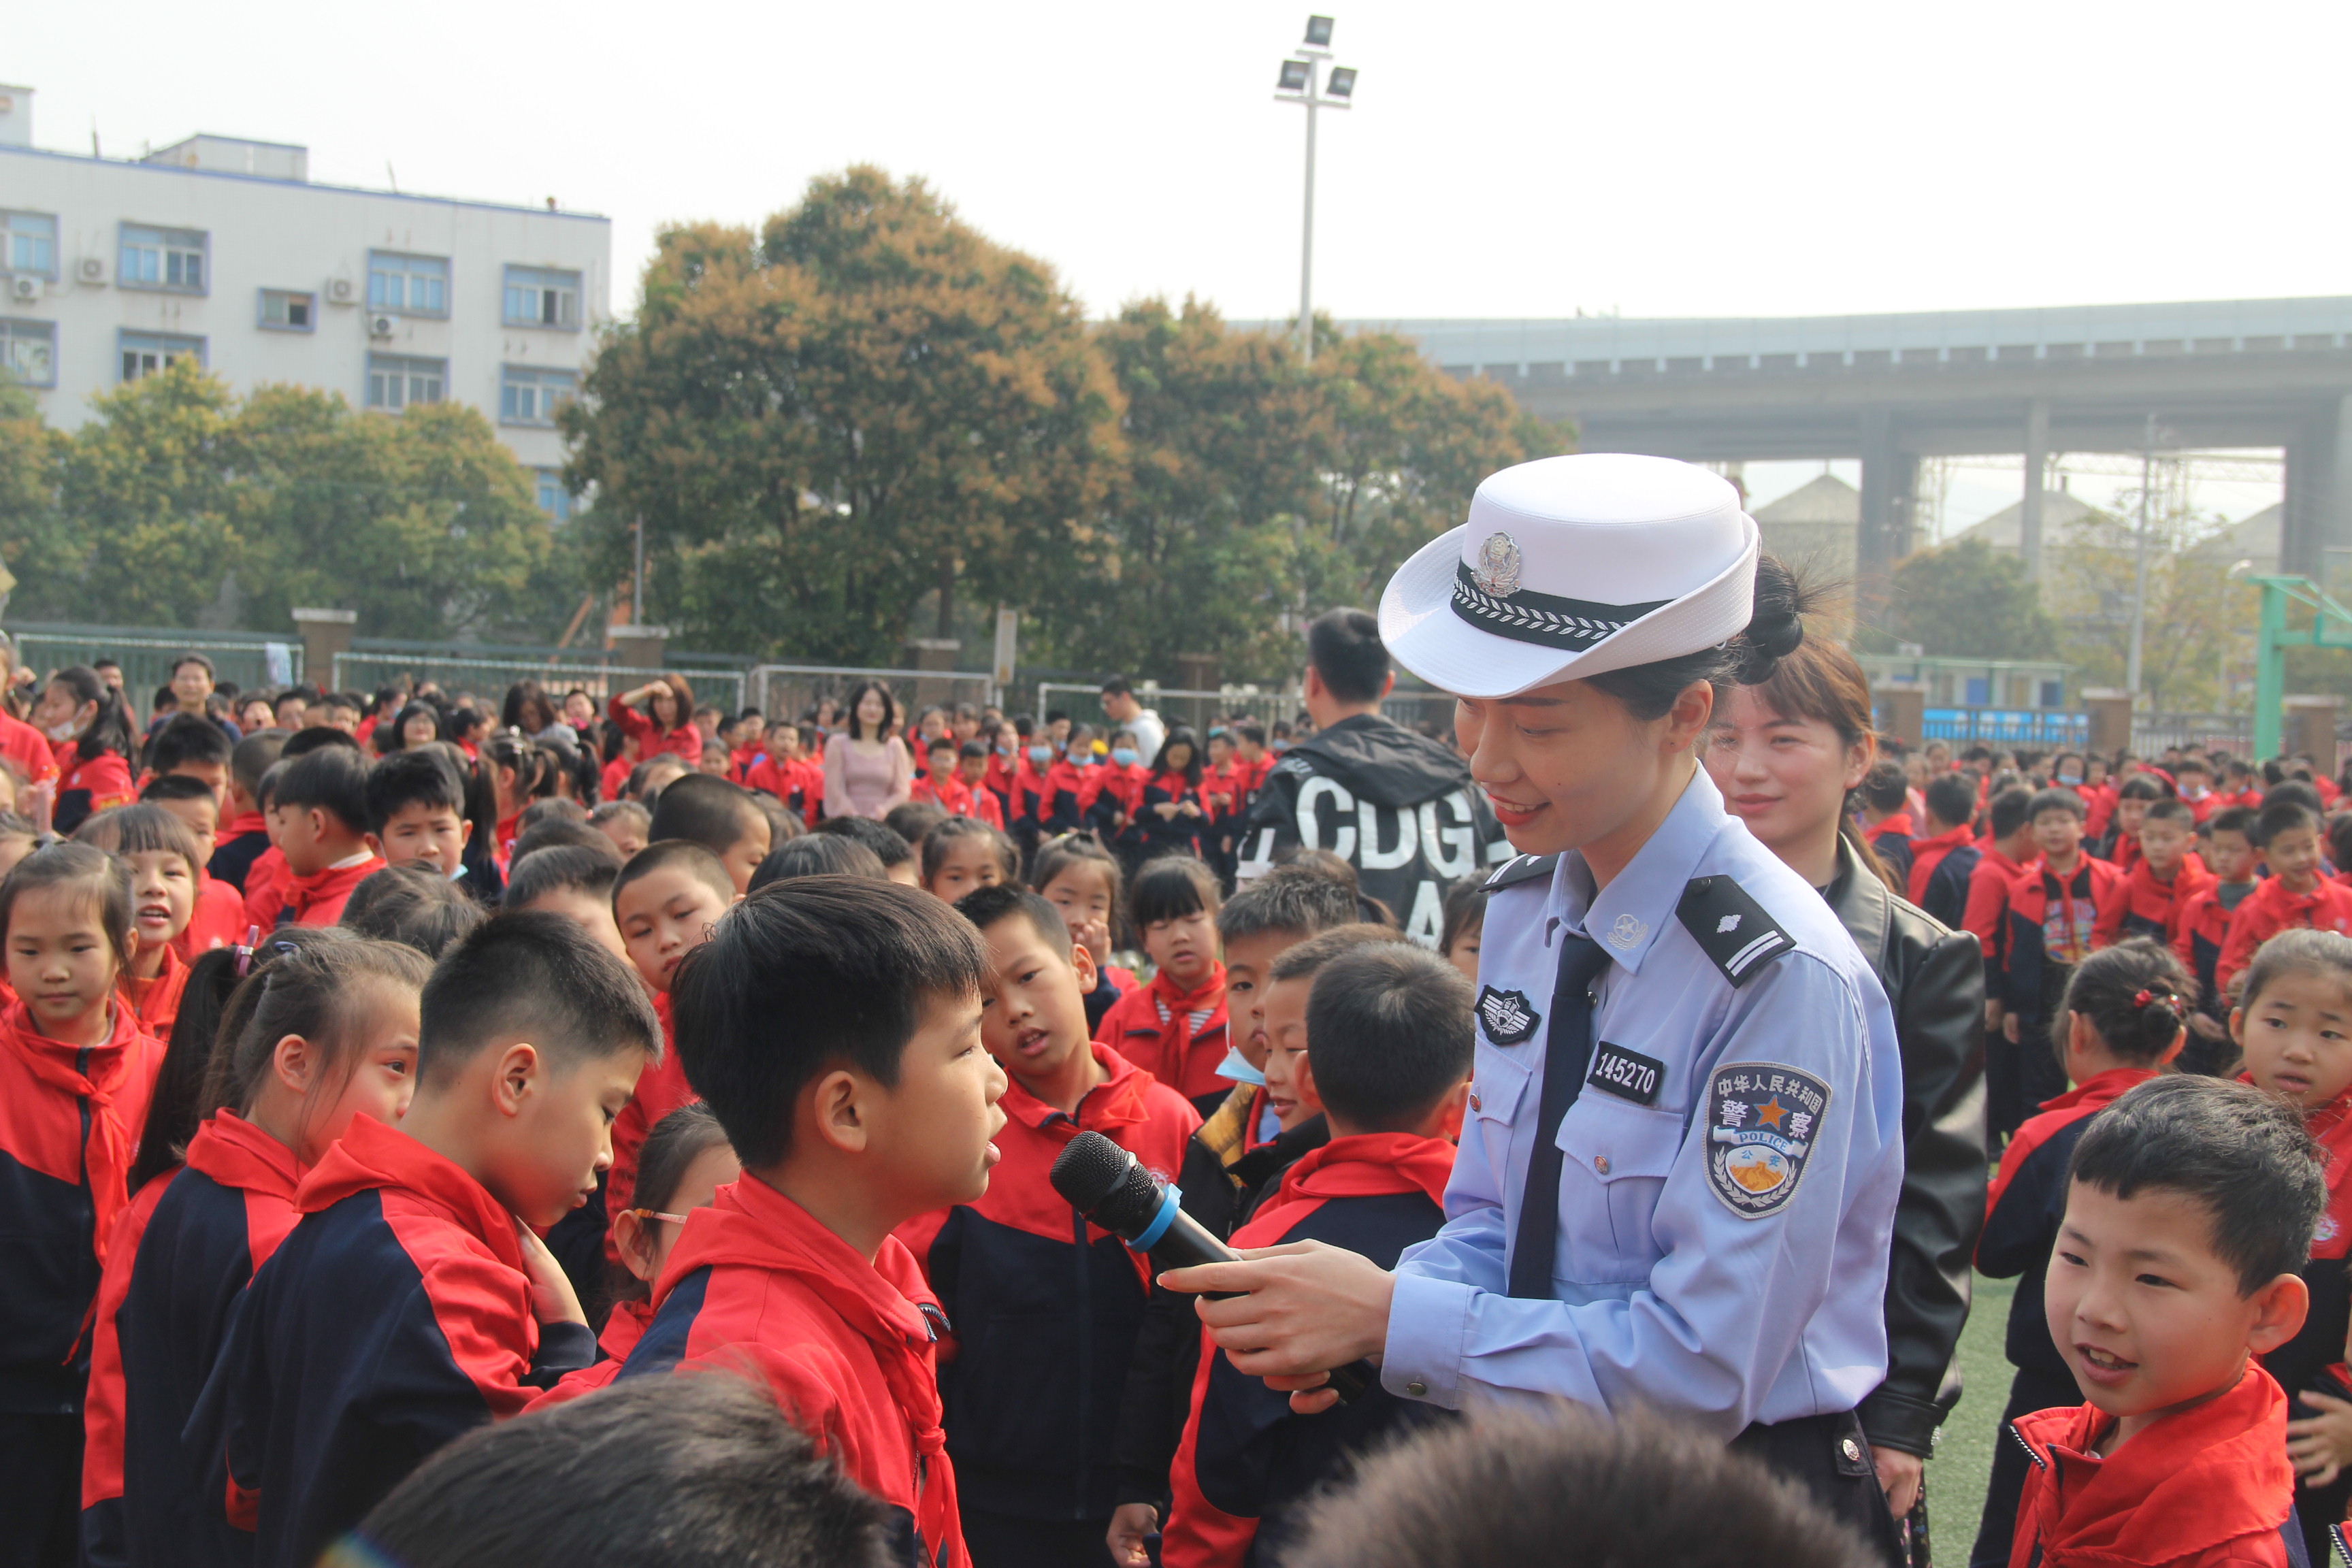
{"x": 1614, "y": 1158}
{"x": 1498, "y": 1082}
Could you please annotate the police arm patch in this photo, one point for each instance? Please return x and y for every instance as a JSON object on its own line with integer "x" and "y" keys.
{"x": 1731, "y": 928}
{"x": 1509, "y": 1019}
{"x": 1761, "y": 1120}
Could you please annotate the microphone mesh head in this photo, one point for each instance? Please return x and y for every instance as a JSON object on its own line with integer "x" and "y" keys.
{"x": 1105, "y": 1183}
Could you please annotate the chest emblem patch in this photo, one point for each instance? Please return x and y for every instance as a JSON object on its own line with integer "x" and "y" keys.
{"x": 1762, "y": 1120}
{"x": 1509, "y": 1019}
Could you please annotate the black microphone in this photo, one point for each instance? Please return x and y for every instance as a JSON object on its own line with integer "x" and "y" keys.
{"x": 1111, "y": 1187}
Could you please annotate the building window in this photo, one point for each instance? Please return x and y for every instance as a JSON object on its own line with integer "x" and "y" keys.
{"x": 527, "y": 397}
{"x": 31, "y": 243}
{"x": 167, "y": 259}
{"x": 413, "y": 285}
{"x": 395, "y": 382}
{"x": 28, "y": 350}
{"x": 553, "y": 498}
{"x": 286, "y": 310}
{"x": 536, "y": 296}
{"x": 144, "y": 353}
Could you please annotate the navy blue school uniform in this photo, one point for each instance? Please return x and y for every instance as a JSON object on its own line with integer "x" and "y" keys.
{"x": 1247, "y": 1461}
{"x": 217, "y": 1221}
{"x": 395, "y": 1318}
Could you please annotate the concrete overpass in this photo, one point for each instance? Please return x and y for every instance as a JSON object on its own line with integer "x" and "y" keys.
{"x": 1891, "y": 389}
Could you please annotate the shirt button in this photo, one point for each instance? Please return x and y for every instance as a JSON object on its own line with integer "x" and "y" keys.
{"x": 1600, "y": 1164}
{"x": 1416, "y": 1388}
{"x": 1476, "y": 1104}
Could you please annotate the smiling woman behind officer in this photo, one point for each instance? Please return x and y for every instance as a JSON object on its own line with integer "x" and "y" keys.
{"x": 1676, "y": 1184}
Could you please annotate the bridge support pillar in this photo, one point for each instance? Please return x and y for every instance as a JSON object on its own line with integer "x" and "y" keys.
{"x": 2318, "y": 510}
{"x": 2037, "y": 464}
{"x": 1890, "y": 484}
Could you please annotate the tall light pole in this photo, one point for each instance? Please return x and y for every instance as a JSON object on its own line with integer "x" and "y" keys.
{"x": 1303, "y": 82}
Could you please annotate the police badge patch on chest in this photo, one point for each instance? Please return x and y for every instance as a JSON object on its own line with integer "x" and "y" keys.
{"x": 1509, "y": 1019}
{"x": 1761, "y": 1118}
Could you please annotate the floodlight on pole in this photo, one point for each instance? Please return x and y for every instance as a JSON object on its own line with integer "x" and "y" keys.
{"x": 1298, "y": 84}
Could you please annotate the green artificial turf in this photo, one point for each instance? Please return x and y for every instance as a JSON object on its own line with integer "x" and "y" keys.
{"x": 1956, "y": 1477}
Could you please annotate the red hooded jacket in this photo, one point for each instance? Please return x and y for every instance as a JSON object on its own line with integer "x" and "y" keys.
{"x": 1927, "y": 853}
{"x": 2206, "y": 1487}
{"x": 848, "y": 1348}
{"x": 1152, "y": 1028}
{"x": 2271, "y": 909}
{"x": 2150, "y": 905}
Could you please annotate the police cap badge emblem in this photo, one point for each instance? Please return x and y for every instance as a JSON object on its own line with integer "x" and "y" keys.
{"x": 1497, "y": 571}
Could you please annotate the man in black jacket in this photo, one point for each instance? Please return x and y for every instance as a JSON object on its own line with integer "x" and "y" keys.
{"x": 1397, "y": 806}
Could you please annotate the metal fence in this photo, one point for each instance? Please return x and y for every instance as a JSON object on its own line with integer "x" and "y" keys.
{"x": 146, "y": 655}
{"x": 2042, "y": 727}
{"x": 1176, "y": 705}
{"x": 487, "y": 677}
{"x": 789, "y": 690}
{"x": 2231, "y": 733}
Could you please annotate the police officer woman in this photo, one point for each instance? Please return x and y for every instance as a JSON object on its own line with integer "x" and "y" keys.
{"x": 1677, "y": 1179}
{"x": 1786, "y": 753}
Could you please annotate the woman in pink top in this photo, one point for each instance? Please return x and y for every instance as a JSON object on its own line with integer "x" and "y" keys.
{"x": 866, "y": 769}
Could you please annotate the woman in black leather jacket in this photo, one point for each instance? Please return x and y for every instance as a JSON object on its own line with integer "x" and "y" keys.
{"x": 1786, "y": 755}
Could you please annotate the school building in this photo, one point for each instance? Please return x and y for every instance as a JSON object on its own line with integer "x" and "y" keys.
{"x": 222, "y": 250}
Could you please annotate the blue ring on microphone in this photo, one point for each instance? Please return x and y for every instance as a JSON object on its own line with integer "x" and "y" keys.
{"x": 1170, "y": 1197}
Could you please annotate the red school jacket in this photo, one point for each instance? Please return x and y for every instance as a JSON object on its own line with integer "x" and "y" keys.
{"x": 268, "y": 884}
{"x": 2053, "y": 921}
{"x": 651, "y": 742}
{"x": 2208, "y": 1486}
{"x": 1244, "y": 1460}
{"x": 87, "y": 788}
{"x": 1152, "y": 1028}
{"x": 2150, "y": 905}
{"x": 757, "y": 1283}
{"x": 27, "y": 751}
{"x": 319, "y": 899}
{"x": 157, "y": 1001}
{"x": 394, "y": 1320}
{"x": 624, "y": 1327}
{"x": 1041, "y": 1312}
{"x": 661, "y": 1089}
{"x": 1987, "y": 915}
{"x": 1927, "y": 853}
{"x": 2271, "y": 909}
{"x": 218, "y": 921}
{"x": 69, "y": 1120}
{"x": 181, "y": 1255}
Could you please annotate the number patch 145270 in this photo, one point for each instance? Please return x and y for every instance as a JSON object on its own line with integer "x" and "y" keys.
{"x": 1629, "y": 1075}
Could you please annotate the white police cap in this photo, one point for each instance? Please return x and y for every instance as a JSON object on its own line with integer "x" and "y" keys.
{"x": 1574, "y": 566}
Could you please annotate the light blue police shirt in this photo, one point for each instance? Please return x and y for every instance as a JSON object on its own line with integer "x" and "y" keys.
{"x": 1722, "y": 1248}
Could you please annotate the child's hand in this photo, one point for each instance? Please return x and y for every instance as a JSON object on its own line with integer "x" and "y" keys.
{"x": 2205, "y": 1028}
{"x": 552, "y": 1299}
{"x": 1093, "y": 935}
{"x": 1128, "y": 1525}
{"x": 2009, "y": 1027}
{"x": 2320, "y": 1447}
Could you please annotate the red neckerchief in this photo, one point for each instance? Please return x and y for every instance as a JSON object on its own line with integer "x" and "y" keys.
{"x": 2086, "y": 1097}
{"x": 157, "y": 1001}
{"x": 1174, "y": 785}
{"x": 251, "y": 822}
{"x": 1951, "y": 839}
{"x": 236, "y": 1154}
{"x": 1900, "y": 822}
{"x": 752, "y": 1224}
{"x": 2141, "y": 882}
{"x": 503, "y": 838}
{"x": 2330, "y": 1127}
{"x": 320, "y": 886}
{"x": 1121, "y": 1099}
{"x": 96, "y": 1074}
{"x": 1369, "y": 1165}
{"x": 1176, "y": 1034}
{"x": 371, "y": 1156}
{"x": 2188, "y": 1484}
{"x": 2064, "y": 892}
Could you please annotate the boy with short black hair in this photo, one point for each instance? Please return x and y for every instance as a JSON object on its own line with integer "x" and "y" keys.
{"x": 891, "y": 848}
{"x": 1886, "y": 816}
{"x": 322, "y": 831}
{"x": 574, "y": 881}
{"x": 851, "y": 1115}
{"x": 1035, "y": 1474}
{"x": 2055, "y": 906}
{"x": 2201, "y": 925}
{"x": 2293, "y": 896}
{"x": 195, "y": 747}
{"x": 2190, "y": 1209}
{"x": 408, "y": 1305}
{"x": 244, "y": 835}
{"x": 719, "y": 816}
{"x": 2120, "y": 844}
{"x": 416, "y": 810}
{"x": 2166, "y": 874}
{"x": 1943, "y": 858}
{"x": 1392, "y": 1034}
{"x": 664, "y": 902}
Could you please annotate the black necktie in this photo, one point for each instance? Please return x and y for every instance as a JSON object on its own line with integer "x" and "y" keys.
{"x": 1568, "y": 1056}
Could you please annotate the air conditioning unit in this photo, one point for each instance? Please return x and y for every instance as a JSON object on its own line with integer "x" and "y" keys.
{"x": 339, "y": 290}
{"x": 379, "y": 326}
{"x": 25, "y": 288}
{"x": 90, "y": 269}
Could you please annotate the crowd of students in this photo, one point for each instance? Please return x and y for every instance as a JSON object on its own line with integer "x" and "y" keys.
{"x": 392, "y": 1089}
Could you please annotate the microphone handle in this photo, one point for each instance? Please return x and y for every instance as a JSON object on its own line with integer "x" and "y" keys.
{"x": 1186, "y": 1244}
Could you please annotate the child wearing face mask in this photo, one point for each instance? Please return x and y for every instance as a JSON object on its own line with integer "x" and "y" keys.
{"x": 322, "y": 1032}
{"x": 87, "y": 721}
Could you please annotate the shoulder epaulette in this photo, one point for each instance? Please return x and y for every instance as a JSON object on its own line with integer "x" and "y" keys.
{"x": 1731, "y": 928}
{"x": 1521, "y": 868}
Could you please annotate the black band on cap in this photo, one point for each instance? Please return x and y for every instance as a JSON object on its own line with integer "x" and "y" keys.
{"x": 1544, "y": 619}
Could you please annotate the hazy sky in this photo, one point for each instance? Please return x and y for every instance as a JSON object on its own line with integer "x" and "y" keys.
{"x": 1504, "y": 160}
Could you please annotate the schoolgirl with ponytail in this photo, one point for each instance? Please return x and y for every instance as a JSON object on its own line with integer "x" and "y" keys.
{"x": 2123, "y": 1020}
{"x": 89, "y": 725}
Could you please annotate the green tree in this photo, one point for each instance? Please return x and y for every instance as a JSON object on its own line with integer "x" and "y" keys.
{"x": 149, "y": 494}
{"x": 35, "y": 548}
{"x": 2198, "y": 616}
{"x": 872, "y": 402}
{"x": 1962, "y": 601}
